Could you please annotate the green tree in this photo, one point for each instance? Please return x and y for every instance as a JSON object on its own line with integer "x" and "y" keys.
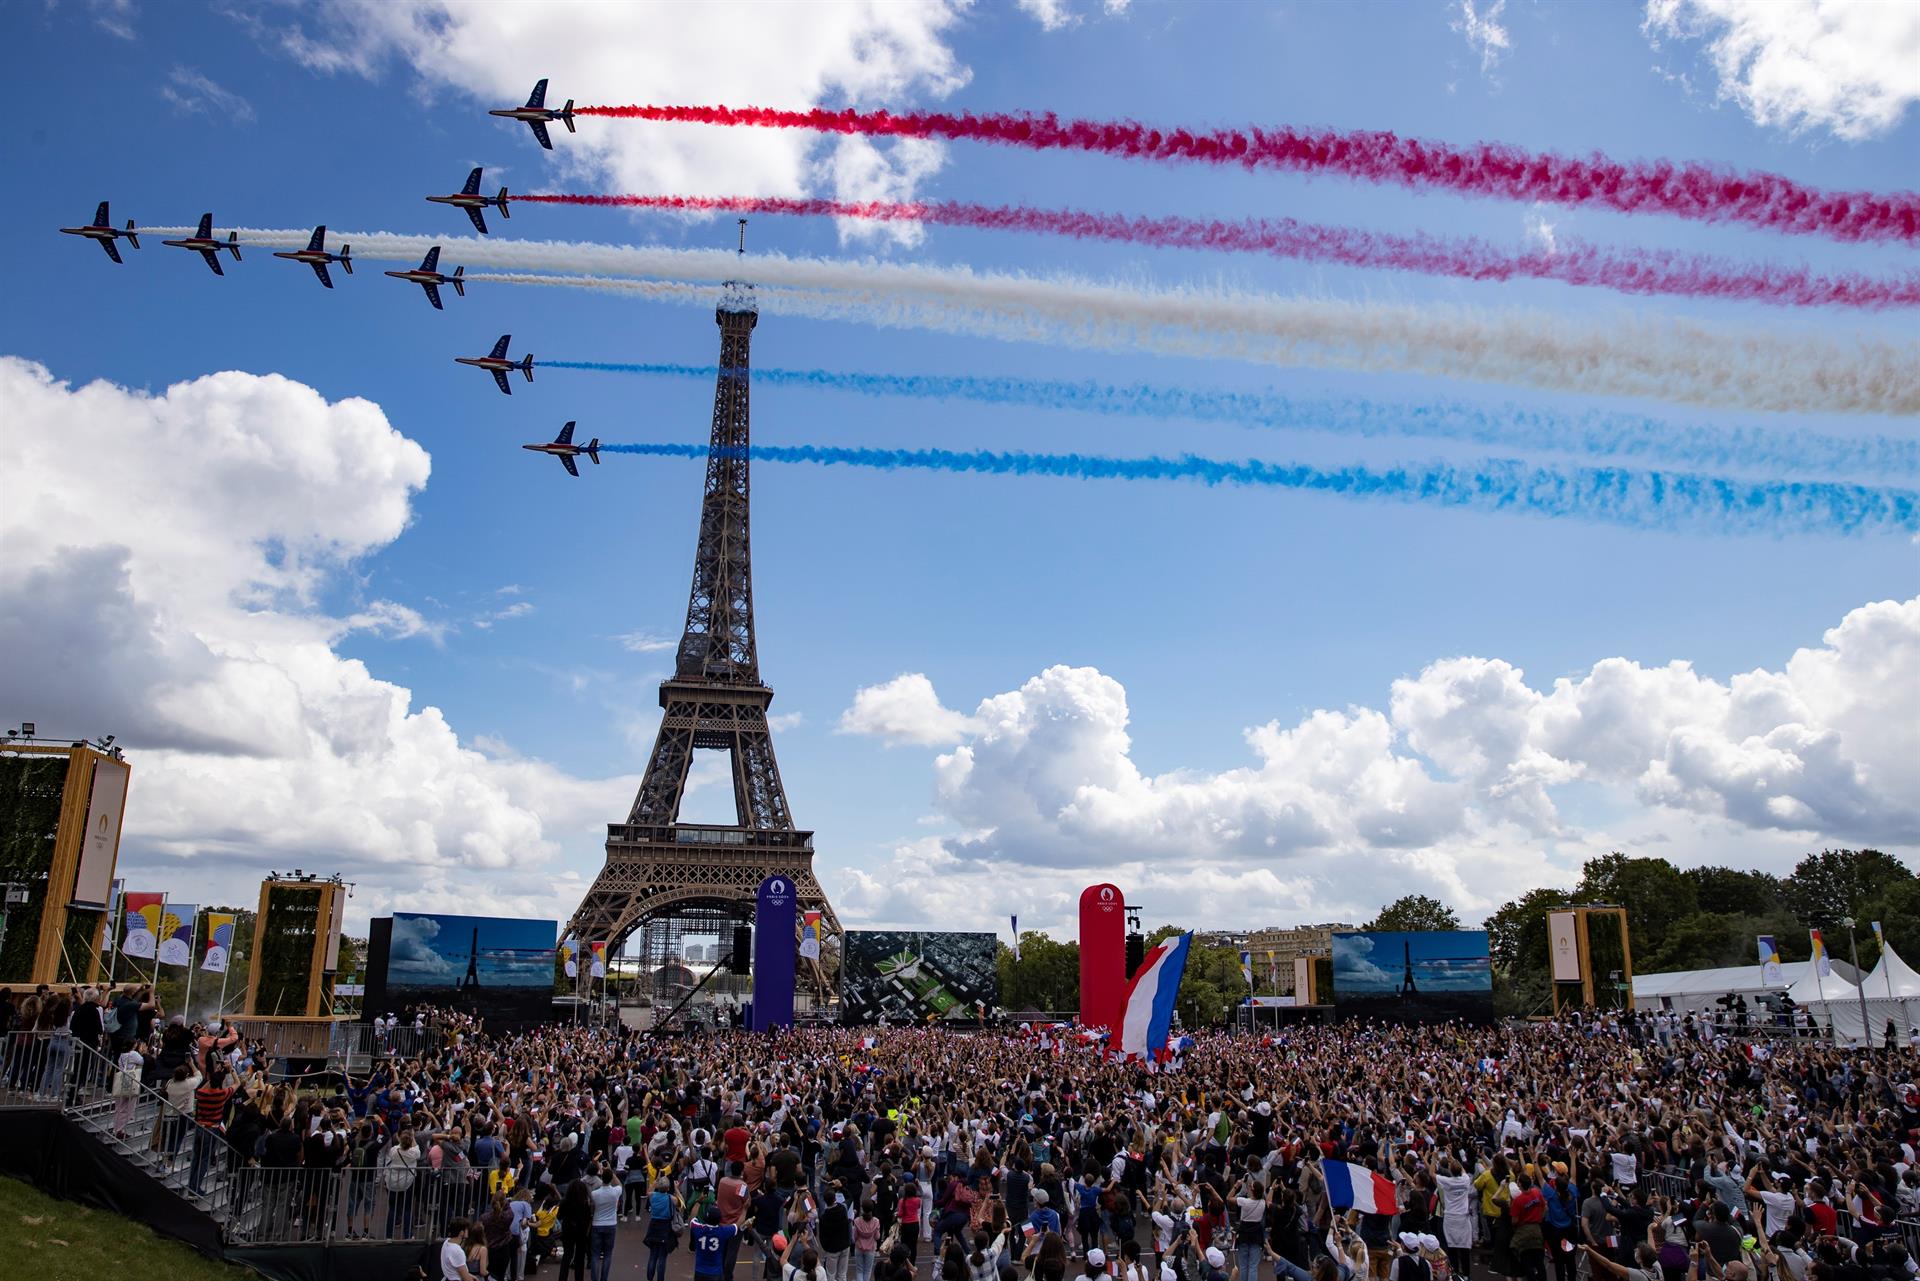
{"x": 1046, "y": 977}
{"x": 1654, "y": 892}
{"x": 1728, "y": 891}
{"x": 1414, "y": 912}
{"x": 1835, "y": 883}
{"x": 1517, "y": 945}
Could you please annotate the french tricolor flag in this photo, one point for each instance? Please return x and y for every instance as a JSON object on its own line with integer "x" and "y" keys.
{"x": 1148, "y": 1011}
{"x": 1355, "y": 1187}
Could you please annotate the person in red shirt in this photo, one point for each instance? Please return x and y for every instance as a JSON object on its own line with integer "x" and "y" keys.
{"x": 736, "y": 1139}
{"x": 1819, "y": 1211}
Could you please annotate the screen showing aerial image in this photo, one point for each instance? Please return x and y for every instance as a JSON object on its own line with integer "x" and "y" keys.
{"x": 1413, "y": 977}
{"x": 492, "y": 966}
{"x": 910, "y": 976}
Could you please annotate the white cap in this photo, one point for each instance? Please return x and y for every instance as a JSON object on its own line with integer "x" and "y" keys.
{"x": 1096, "y": 1257}
{"x": 1428, "y": 1241}
{"x": 1410, "y": 1240}
{"x": 1215, "y": 1258}
{"x": 1265, "y": 1108}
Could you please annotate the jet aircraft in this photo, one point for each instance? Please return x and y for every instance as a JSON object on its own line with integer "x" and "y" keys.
{"x": 103, "y": 233}
{"x": 429, "y": 277}
{"x": 563, "y": 448}
{"x": 470, "y": 199}
{"x": 497, "y": 364}
{"x": 538, "y": 115}
{"x": 203, "y": 243}
{"x": 315, "y": 255}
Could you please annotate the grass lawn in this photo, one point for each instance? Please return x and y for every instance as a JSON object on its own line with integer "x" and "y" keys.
{"x": 44, "y": 1239}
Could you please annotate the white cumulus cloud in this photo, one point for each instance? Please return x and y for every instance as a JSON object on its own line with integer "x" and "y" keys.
{"x": 903, "y": 710}
{"x": 1848, "y": 67}
{"x": 166, "y": 593}
{"x": 740, "y": 52}
{"x": 1451, "y": 791}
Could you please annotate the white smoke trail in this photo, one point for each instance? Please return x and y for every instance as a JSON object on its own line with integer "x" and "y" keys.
{"x": 1674, "y": 360}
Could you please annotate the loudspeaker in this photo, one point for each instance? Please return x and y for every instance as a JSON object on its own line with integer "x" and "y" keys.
{"x": 741, "y": 962}
{"x": 1136, "y": 953}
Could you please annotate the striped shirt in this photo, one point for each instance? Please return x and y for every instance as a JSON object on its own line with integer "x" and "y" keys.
{"x": 210, "y": 1105}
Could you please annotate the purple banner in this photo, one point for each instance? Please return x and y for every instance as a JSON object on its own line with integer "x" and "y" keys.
{"x": 775, "y": 914}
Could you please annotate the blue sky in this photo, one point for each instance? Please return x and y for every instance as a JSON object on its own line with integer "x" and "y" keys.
{"x": 501, "y": 594}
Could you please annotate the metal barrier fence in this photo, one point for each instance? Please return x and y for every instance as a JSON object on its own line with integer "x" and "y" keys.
{"x": 49, "y": 1069}
{"x": 357, "y": 1046}
{"x": 267, "y": 1206}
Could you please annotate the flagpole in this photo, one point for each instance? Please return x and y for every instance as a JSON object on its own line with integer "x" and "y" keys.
{"x": 159, "y": 925}
{"x": 186, "y": 1007}
{"x": 113, "y": 935}
{"x": 1905, "y": 1016}
{"x": 226, "y": 965}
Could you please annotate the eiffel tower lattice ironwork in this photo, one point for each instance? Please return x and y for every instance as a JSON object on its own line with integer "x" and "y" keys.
{"x": 657, "y": 865}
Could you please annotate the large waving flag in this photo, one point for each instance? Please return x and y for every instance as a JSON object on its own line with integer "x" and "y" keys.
{"x": 219, "y": 942}
{"x": 1355, "y": 1187}
{"x": 1822, "y": 962}
{"x": 143, "y": 925}
{"x": 1148, "y": 1009}
{"x": 570, "y": 948}
{"x": 176, "y": 934}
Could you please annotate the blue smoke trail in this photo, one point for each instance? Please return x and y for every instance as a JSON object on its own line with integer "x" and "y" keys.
{"x": 1613, "y": 495}
{"x": 1596, "y": 433}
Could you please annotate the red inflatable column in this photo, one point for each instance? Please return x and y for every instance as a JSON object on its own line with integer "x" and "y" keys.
{"x": 1103, "y": 955}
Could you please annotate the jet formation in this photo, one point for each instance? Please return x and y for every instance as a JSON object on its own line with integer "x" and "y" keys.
{"x": 563, "y": 448}
{"x": 315, "y": 255}
{"x": 470, "y": 199}
{"x": 429, "y": 277}
{"x": 496, "y": 363}
{"x": 203, "y": 243}
{"x": 103, "y": 233}
{"x": 536, "y": 115}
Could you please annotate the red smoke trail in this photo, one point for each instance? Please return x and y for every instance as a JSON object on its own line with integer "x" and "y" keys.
{"x": 1633, "y": 272}
{"x": 1695, "y": 191}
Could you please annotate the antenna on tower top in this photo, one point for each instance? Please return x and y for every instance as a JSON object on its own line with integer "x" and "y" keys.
{"x": 743, "y": 237}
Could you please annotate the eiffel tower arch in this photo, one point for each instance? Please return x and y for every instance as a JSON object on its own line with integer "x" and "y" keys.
{"x": 661, "y": 874}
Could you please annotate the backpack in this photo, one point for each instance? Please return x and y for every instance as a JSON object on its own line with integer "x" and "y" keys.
{"x": 110, "y": 1021}
{"x": 398, "y": 1175}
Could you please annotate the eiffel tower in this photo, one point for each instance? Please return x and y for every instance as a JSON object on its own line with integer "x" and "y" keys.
{"x": 657, "y": 866}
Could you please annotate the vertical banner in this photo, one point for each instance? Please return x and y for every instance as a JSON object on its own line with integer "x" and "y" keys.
{"x": 1770, "y": 975}
{"x": 176, "y": 935}
{"x": 143, "y": 925}
{"x": 219, "y": 942}
{"x": 1303, "y": 993}
{"x": 598, "y": 949}
{"x": 775, "y": 911}
{"x": 1016, "y": 938}
{"x": 1103, "y": 956}
{"x": 1246, "y": 968}
{"x": 101, "y": 844}
{"x": 569, "y": 949}
{"x": 1563, "y": 944}
{"x": 810, "y": 935}
{"x": 1822, "y": 963}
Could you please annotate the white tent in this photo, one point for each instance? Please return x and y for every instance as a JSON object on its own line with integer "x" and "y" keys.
{"x": 1697, "y": 990}
{"x": 1893, "y": 979}
{"x": 1889, "y": 995}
